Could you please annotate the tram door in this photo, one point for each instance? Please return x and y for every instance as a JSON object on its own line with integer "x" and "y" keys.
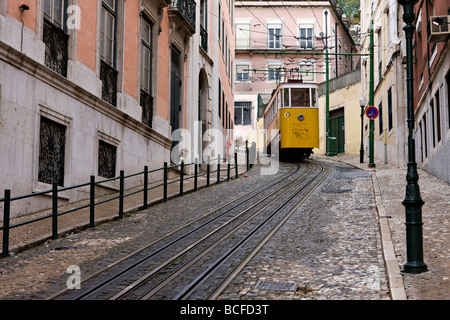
{"x": 337, "y": 131}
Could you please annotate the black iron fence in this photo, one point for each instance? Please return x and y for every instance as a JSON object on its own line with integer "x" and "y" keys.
{"x": 187, "y": 9}
{"x": 8, "y": 199}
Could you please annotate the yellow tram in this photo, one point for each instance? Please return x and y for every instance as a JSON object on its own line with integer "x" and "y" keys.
{"x": 291, "y": 120}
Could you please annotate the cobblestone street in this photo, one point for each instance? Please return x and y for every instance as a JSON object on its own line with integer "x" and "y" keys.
{"x": 331, "y": 248}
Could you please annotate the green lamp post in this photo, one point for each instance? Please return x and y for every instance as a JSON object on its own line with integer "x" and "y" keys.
{"x": 413, "y": 202}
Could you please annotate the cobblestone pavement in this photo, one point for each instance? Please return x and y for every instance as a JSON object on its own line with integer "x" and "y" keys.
{"x": 433, "y": 284}
{"x": 330, "y": 248}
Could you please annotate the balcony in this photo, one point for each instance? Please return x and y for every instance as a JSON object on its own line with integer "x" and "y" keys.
{"x": 108, "y": 76}
{"x": 56, "y": 44}
{"x": 182, "y": 12}
{"x": 147, "y": 108}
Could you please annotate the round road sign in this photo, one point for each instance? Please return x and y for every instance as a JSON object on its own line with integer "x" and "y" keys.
{"x": 372, "y": 113}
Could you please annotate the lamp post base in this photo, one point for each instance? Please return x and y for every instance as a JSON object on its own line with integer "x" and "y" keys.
{"x": 415, "y": 267}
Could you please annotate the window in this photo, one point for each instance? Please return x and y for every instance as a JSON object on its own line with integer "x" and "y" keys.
{"x": 421, "y": 141}
{"x": 300, "y": 97}
{"x": 425, "y": 138}
{"x": 147, "y": 56}
{"x": 107, "y": 31}
{"x": 438, "y": 115}
{"x": 243, "y": 113}
{"x": 380, "y": 118}
{"x": 306, "y": 70}
{"x": 242, "y": 72}
{"x": 106, "y": 160}
{"x": 286, "y": 99}
{"x": 146, "y": 99}
{"x": 204, "y": 25}
{"x": 220, "y": 100}
{"x": 380, "y": 71}
{"x": 108, "y": 74}
{"x": 306, "y": 36}
{"x": 55, "y": 39}
{"x": 274, "y": 36}
{"x": 274, "y": 72}
{"x": 390, "y": 114}
{"x": 54, "y": 12}
{"x": 223, "y": 105}
{"x": 433, "y": 125}
{"x": 242, "y": 35}
{"x": 52, "y": 143}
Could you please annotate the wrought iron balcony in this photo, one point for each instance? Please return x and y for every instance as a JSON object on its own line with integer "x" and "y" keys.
{"x": 183, "y": 13}
{"x": 147, "y": 108}
{"x": 56, "y": 43}
{"x": 109, "y": 79}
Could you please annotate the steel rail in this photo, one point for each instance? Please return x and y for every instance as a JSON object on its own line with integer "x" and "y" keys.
{"x": 187, "y": 290}
{"x": 224, "y": 284}
{"x": 169, "y": 261}
{"x": 151, "y": 274}
{"x": 266, "y": 186}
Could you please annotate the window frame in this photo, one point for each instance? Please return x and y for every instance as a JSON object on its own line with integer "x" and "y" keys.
{"x": 112, "y": 12}
{"x": 303, "y": 44}
{"x": 274, "y": 40}
{"x": 146, "y": 45}
{"x": 245, "y": 115}
{"x": 51, "y": 18}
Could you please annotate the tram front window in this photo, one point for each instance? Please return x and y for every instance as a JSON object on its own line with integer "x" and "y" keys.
{"x": 300, "y": 97}
{"x": 286, "y": 98}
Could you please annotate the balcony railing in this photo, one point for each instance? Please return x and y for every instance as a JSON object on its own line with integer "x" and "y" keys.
{"x": 56, "y": 43}
{"x": 109, "y": 79}
{"x": 147, "y": 108}
{"x": 184, "y": 12}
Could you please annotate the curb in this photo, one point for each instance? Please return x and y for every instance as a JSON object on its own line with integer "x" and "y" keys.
{"x": 395, "y": 278}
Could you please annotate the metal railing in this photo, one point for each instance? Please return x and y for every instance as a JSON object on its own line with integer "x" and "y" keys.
{"x": 8, "y": 199}
{"x": 187, "y": 9}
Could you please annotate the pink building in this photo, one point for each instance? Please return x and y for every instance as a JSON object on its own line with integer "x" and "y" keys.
{"x": 279, "y": 38}
{"x": 93, "y": 87}
{"x": 432, "y": 87}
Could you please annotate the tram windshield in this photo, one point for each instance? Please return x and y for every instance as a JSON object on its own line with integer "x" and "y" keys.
{"x": 299, "y": 97}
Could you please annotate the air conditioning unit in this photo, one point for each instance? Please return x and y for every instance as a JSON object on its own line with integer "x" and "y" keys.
{"x": 438, "y": 28}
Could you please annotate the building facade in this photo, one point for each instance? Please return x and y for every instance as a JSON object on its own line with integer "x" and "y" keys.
{"x": 275, "y": 39}
{"x": 390, "y": 128}
{"x": 95, "y": 87}
{"x": 431, "y": 78}
{"x": 432, "y": 87}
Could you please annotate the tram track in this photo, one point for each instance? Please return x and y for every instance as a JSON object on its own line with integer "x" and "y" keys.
{"x": 196, "y": 289}
{"x": 175, "y": 268}
{"x": 122, "y": 266}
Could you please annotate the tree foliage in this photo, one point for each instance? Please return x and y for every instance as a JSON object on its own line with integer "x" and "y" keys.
{"x": 350, "y": 7}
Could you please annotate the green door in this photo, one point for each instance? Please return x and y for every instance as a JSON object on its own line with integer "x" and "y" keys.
{"x": 337, "y": 132}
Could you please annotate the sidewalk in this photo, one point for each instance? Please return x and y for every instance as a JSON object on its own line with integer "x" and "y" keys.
{"x": 389, "y": 187}
{"x": 29, "y": 235}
